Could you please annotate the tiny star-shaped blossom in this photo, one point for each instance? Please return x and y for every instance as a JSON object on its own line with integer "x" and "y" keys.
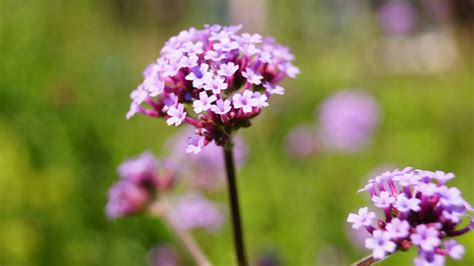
{"x": 243, "y": 101}
{"x": 227, "y": 70}
{"x": 199, "y": 75}
{"x": 259, "y": 100}
{"x": 450, "y": 196}
{"x": 266, "y": 57}
{"x": 138, "y": 95}
{"x": 407, "y": 179}
{"x": 204, "y": 102}
{"x": 193, "y": 48}
{"x": 434, "y": 260}
{"x": 367, "y": 187}
{"x": 226, "y": 45}
{"x": 250, "y": 50}
{"x": 454, "y": 217}
{"x": 195, "y": 144}
{"x": 427, "y": 189}
{"x": 153, "y": 85}
{"x": 189, "y": 61}
{"x": 404, "y": 204}
{"x": 380, "y": 244}
{"x": 252, "y": 77}
{"x": 426, "y": 237}
{"x": 251, "y": 38}
{"x": 454, "y": 250}
{"x": 383, "y": 200}
{"x": 215, "y": 56}
{"x": 363, "y": 218}
{"x": 290, "y": 70}
{"x": 273, "y": 89}
{"x": 170, "y": 100}
{"x": 221, "y": 107}
{"x": 443, "y": 177}
{"x": 177, "y": 115}
{"x": 172, "y": 66}
{"x": 133, "y": 110}
{"x": 215, "y": 84}
{"x": 398, "y": 228}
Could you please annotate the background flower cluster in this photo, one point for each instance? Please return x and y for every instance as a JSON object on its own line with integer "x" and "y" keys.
{"x": 68, "y": 68}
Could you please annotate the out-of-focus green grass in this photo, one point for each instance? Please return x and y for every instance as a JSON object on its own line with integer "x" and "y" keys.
{"x": 65, "y": 74}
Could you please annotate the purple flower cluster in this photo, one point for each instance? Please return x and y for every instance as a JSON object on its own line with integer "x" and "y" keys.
{"x": 139, "y": 180}
{"x": 142, "y": 181}
{"x": 419, "y": 210}
{"x": 301, "y": 142}
{"x": 226, "y": 78}
{"x": 347, "y": 120}
{"x": 193, "y": 211}
{"x": 205, "y": 170}
{"x": 397, "y": 17}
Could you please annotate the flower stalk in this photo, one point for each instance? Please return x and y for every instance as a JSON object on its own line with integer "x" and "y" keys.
{"x": 159, "y": 209}
{"x": 234, "y": 206}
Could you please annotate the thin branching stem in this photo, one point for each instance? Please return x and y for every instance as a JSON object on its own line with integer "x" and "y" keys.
{"x": 160, "y": 210}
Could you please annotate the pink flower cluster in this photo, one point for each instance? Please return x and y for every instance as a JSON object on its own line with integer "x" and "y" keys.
{"x": 347, "y": 120}
{"x": 214, "y": 79}
{"x": 194, "y": 211}
{"x": 345, "y": 123}
{"x": 140, "y": 178}
{"x": 205, "y": 170}
{"x": 420, "y": 210}
{"x": 142, "y": 181}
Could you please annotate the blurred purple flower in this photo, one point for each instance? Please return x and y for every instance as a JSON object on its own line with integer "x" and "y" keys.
{"x": 205, "y": 169}
{"x": 125, "y": 198}
{"x": 145, "y": 171}
{"x": 194, "y": 211}
{"x": 397, "y": 17}
{"x": 380, "y": 243}
{"x": 347, "y": 120}
{"x": 140, "y": 179}
{"x": 164, "y": 255}
{"x": 301, "y": 141}
{"x": 356, "y": 237}
{"x": 141, "y": 169}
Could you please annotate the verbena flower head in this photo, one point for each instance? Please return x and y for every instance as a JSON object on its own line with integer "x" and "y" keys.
{"x": 125, "y": 198}
{"x": 141, "y": 178}
{"x": 419, "y": 210}
{"x": 347, "y": 120}
{"x": 141, "y": 169}
{"x": 193, "y": 211}
{"x": 214, "y": 79}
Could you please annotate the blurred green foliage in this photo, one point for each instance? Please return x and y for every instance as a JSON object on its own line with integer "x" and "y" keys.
{"x": 67, "y": 68}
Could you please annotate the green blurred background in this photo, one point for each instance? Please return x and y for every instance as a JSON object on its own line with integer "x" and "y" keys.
{"x": 67, "y": 68}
